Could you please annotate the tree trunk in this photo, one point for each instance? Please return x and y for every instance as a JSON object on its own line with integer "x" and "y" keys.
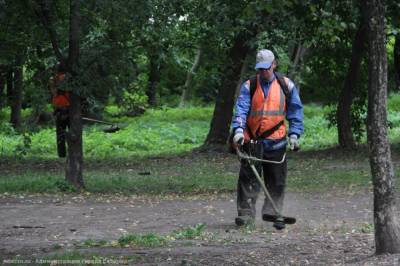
{"x": 74, "y": 164}
{"x": 343, "y": 112}
{"x": 396, "y": 55}
{"x": 3, "y": 76}
{"x": 222, "y": 116}
{"x": 2, "y": 85}
{"x": 154, "y": 79}
{"x": 297, "y": 58}
{"x": 16, "y": 98}
{"x": 243, "y": 71}
{"x": 387, "y": 230}
{"x": 187, "y": 88}
{"x": 10, "y": 85}
{"x": 75, "y": 146}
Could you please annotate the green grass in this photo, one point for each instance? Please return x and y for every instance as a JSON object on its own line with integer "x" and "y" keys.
{"x": 188, "y": 174}
{"x": 145, "y": 240}
{"x": 191, "y": 232}
{"x": 366, "y": 228}
{"x": 154, "y": 177}
{"x": 151, "y": 155}
{"x": 157, "y": 240}
{"x": 165, "y": 132}
{"x": 168, "y": 131}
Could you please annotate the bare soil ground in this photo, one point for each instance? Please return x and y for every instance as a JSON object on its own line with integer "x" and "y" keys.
{"x": 332, "y": 229}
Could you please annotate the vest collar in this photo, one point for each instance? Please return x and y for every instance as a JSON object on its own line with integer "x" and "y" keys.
{"x": 263, "y": 81}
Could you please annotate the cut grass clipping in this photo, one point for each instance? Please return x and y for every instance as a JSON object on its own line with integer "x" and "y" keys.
{"x": 154, "y": 240}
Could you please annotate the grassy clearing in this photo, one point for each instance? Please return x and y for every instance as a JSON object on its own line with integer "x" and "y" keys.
{"x": 151, "y": 155}
{"x": 191, "y": 174}
{"x": 165, "y": 132}
{"x": 168, "y": 131}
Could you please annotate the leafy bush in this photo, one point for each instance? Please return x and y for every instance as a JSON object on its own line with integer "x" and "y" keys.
{"x": 134, "y": 101}
{"x": 394, "y": 102}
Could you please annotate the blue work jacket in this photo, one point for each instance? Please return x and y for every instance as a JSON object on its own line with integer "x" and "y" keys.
{"x": 294, "y": 112}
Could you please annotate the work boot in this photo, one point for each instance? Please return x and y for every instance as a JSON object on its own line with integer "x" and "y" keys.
{"x": 244, "y": 220}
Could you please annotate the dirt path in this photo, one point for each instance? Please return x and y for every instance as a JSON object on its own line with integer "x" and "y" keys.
{"x": 331, "y": 229}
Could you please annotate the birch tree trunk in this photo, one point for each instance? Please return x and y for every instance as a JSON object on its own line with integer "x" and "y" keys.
{"x": 154, "y": 80}
{"x": 187, "y": 88}
{"x": 16, "y": 98}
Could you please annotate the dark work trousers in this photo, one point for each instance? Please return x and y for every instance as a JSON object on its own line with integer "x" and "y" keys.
{"x": 62, "y": 123}
{"x": 249, "y": 187}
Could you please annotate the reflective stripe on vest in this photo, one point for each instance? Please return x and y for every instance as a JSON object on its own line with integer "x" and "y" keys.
{"x": 267, "y": 112}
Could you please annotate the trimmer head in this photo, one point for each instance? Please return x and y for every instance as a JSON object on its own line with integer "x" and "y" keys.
{"x": 279, "y": 221}
{"x": 111, "y": 129}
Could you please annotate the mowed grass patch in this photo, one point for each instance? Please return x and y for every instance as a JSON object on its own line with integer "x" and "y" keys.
{"x": 97, "y": 182}
{"x": 327, "y": 169}
{"x": 189, "y": 174}
{"x": 180, "y": 174}
{"x": 151, "y": 155}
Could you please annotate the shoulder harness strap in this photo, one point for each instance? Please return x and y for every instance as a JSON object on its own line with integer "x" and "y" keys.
{"x": 281, "y": 79}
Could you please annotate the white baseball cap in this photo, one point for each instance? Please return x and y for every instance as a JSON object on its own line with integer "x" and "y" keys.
{"x": 264, "y": 59}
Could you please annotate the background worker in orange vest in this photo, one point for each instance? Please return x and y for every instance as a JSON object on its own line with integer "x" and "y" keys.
{"x": 263, "y": 104}
{"x": 61, "y": 103}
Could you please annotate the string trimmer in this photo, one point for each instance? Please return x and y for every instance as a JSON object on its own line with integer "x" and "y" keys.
{"x": 278, "y": 219}
{"x": 113, "y": 127}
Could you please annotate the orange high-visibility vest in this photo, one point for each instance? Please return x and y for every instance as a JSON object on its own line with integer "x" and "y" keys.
{"x": 266, "y": 112}
{"x": 61, "y": 99}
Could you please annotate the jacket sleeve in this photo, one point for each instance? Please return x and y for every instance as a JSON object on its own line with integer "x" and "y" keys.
{"x": 242, "y": 107}
{"x": 294, "y": 113}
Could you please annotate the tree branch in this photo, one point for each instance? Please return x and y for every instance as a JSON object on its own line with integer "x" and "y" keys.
{"x": 42, "y": 10}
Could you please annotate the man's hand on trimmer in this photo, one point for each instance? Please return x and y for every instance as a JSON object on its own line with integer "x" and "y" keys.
{"x": 294, "y": 144}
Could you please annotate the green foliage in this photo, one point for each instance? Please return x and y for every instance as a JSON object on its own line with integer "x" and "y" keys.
{"x": 22, "y": 148}
{"x": 393, "y": 104}
{"x": 134, "y": 101}
{"x": 170, "y": 131}
{"x": 145, "y": 240}
{"x": 64, "y": 186}
{"x": 191, "y": 232}
{"x": 157, "y": 132}
{"x": 95, "y": 243}
{"x": 366, "y": 228}
{"x": 358, "y": 118}
{"x": 7, "y": 129}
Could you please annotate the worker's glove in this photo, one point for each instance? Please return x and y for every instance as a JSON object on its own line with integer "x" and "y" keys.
{"x": 294, "y": 144}
{"x": 238, "y": 138}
